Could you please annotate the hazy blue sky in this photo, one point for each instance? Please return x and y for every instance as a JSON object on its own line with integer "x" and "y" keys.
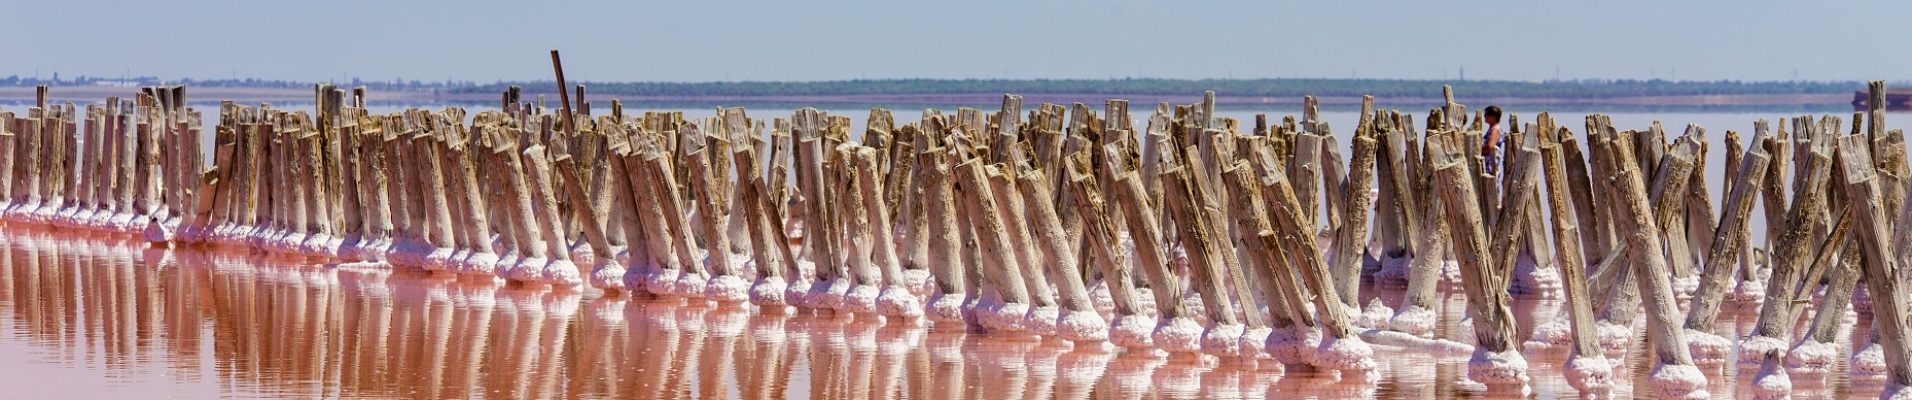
{"x": 486, "y": 40}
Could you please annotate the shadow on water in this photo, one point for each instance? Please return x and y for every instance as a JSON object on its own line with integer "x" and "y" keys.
{"x": 95, "y": 316}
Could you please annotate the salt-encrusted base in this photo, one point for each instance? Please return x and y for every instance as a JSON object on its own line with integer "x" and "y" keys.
{"x": 1178, "y": 335}
{"x": 1868, "y": 363}
{"x": 1394, "y": 272}
{"x": 1678, "y": 382}
{"x": 1375, "y": 315}
{"x": 1503, "y": 368}
{"x": 1082, "y": 326}
{"x": 946, "y": 308}
{"x": 1007, "y": 317}
{"x": 1614, "y": 338}
{"x": 861, "y": 298}
{"x": 1295, "y": 345}
{"x": 1707, "y": 348}
{"x": 1132, "y": 331}
{"x": 1414, "y": 320}
{"x": 1753, "y": 349}
{"x": 1222, "y": 340}
{"x": 727, "y": 289}
{"x": 1533, "y": 279}
{"x": 897, "y": 301}
{"x": 1042, "y": 320}
{"x": 1589, "y": 373}
{"x": 690, "y": 285}
{"x": 606, "y": 273}
{"x": 1345, "y": 354}
{"x": 1254, "y": 342}
{"x": 768, "y": 292}
{"x": 1556, "y": 332}
{"x": 560, "y": 273}
{"x": 1812, "y": 356}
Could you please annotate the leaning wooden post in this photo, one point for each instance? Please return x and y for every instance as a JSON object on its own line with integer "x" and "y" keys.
{"x": 1728, "y": 240}
{"x": 1497, "y": 359}
{"x": 940, "y": 209}
{"x": 1888, "y": 304}
{"x": 1774, "y": 329}
{"x": 725, "y": 284}
{"x": 1186, "y": 205}
{"x": 607, "y": 273}
{"x": 1078, "y": 321}
{"x": 1131, "y": 327}
{"x": 657, "y": 163}
{"x": 1175, "y": 331}
{"x": 476, "y": 222}
{"x": 1354, "y": 230}
{"x": 1587, "y": 368}
{"x": 895, "y": 300}
{"x": 999, "y": 266}
{"x": 1043, "y": 310}
{"x": 1674, "y": 375}
{"x": 1340, "y": 348}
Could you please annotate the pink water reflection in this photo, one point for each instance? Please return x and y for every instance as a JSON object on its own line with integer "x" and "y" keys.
{"x": 103, "y": 316}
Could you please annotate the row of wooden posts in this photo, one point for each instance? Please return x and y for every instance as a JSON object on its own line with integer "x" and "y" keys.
{"x": 1042, "y": 222}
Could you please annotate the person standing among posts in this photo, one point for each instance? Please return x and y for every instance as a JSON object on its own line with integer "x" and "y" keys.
{"x": 1491, "y": 140}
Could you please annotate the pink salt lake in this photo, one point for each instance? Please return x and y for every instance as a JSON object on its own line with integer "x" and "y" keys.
{"x": 96, "y": 316}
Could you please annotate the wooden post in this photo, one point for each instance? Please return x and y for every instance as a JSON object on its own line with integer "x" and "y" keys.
{"x": 1774, "y": 329}
{"x": 1099, "y": 232}
{"x": 1493, "y": 320}
{"x": 1888, "y": 305}
{"x": 1729, "y": 238}
{"x": 1587, "y": 367}
{"x": 1172, "y": 332}
{"x": 1674, "y": 374}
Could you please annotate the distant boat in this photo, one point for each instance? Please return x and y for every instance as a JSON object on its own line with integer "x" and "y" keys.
{"x": 1896, "y": 99}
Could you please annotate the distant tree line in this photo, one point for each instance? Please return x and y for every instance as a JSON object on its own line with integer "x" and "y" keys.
{"x": 1225, "y": 87}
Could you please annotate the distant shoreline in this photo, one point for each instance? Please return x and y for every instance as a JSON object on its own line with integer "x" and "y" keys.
{"x": 253, "y": 95}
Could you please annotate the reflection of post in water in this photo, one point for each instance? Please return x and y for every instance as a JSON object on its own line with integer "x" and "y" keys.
{"x": 894, "y": 346}
{"x": 603, "y": 331}
{"x": 558, "y": 306}
{"x": 1079, "y": 371}
{"x": 437, "y": 335}
{"x": 726, "y": 323}
{"x": 476, "y": 304}
{"x": 659, "y": 348}
{"x": 690, "y": 345}
{"x": 946, "y": 364}
{"x": 769, "y": 374}
{"x": 859, "y": 337}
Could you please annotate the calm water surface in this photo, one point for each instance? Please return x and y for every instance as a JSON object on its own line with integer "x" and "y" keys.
{"x": 95, "y": 316}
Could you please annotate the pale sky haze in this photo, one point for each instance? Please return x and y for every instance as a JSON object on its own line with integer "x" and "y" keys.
{"x": 489, "y": 40}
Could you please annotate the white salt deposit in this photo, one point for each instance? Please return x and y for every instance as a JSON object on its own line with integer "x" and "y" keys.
{"x": 1812, "y": 356}
{"x": 1007, "y": 317}
{"x": 1082, "y": 326}
{"x": 1414, "y": 320}
{"x": 727, "y": 289}
{"x": 1254, "y": 342}
{"x": 1497, "y": 369}
{"x": 561, "y": 273}
{"x": 1589, "y": 373}
{"x": 1555, "y": 332}
{"x": 1754, "y": 348}
{"x": 896, "y": 301}
{"x": 1345, "y": 354}
{"x": 1295, "y": 345}
{"x": 1042, "y": 320}
{"x": 917, "y": 281}
{"x": 1706, "y": 347}
{"x": 827, "y": 294}
{"x": 690, "y": 285}
{"x": 1896, "y": 391}
{"x": 1222, "y": 340}
{"x": 1678, "y": 382}
{"x": 1132, "y": 331}
{"x": 1394, "y": 272}
{"x": 860, "y": 298}
{"x": 1868, "y": 363}
{"x": 1178, "y": 335}
{"x": 945, "y": 307}
{"x": 1683, "y": 288}
{"x": 662, "y": 282}
{"x": 1375, "y": 315}
{"x": 1748, "y": 292}
{"x": 1614, "y": 337}
{"x": 605, "y": 274}
{"x": 768, "y": 292}
{"x": 1530, "y": 278}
